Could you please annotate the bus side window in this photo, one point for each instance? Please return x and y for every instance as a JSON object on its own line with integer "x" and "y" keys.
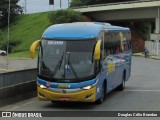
{"x": 127, "y": 41}
{"x": 124, "y": 42}
{"x": 117, "y": 43}
{"x": 111, "y": 43}
{"x": 100, "y": 37}
{"x": 107, "y": 44}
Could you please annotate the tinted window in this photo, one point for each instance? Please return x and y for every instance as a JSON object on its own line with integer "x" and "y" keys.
{"x": 126, "y": 40}
{"x": 112, "y": 43}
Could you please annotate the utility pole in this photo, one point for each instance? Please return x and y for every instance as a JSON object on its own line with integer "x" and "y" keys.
{"x": 25, "y": 6}
{"x": 69, "y": 1}
{"x": 51, "y": 2}
{"x": 8, "y": 36}
{"x": 60, "y": 4}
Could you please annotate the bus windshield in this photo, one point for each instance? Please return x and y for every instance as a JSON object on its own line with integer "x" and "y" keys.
{"x": 66, "y": 60}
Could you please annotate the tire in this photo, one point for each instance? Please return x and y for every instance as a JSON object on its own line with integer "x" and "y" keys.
{"x": 122, "y": 85}
{"x": 54, "y": 102}
{"x": 103, "y": 95}
{"x": 3, "y": 54}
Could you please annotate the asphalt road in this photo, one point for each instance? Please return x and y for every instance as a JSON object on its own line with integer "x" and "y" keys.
{"x": 142, "y": 93}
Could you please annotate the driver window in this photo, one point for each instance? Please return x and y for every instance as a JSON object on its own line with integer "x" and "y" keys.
{"x": 101, "y": 37}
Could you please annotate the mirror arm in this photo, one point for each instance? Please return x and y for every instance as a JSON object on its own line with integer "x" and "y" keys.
{"x": 97, "y": 51}
{"x": 33, "y": 48}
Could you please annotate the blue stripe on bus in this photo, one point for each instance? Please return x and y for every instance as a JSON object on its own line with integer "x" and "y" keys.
{"x": 71, "y": 85}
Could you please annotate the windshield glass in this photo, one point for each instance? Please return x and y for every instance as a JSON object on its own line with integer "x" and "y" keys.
{"x": 66, "y": 60}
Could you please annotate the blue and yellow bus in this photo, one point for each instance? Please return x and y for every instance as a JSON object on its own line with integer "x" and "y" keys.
{"x": 82, "y": 61}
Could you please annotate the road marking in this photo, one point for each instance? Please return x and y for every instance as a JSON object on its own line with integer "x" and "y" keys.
{"x": 144, "y": 90}
{"x": 18, "y": 106}
{"x": 6, "y": 70}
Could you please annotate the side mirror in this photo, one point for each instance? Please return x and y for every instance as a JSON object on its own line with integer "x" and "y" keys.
{"x": 97, "y": 51}
{"x": 33, "y": 48}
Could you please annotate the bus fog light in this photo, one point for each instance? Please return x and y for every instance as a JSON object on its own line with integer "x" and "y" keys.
{"x": 88, "y": 96}
{"x": 87, "y": 88}
{"x": 42, "y": 86}
{"x": 41, "y": 94}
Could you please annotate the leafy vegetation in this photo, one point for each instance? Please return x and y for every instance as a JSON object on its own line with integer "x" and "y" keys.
{"x": 14, "y": 11}
{"x": 65, "y": 16}
{"x": 143, "y": 29}
{"x": 25, "y": 31}
{"x": 30, "y": 27}
{"x": 22, "y": 54}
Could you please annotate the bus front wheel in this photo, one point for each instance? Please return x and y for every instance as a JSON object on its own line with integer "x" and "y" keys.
{"x": 103, "y": 95}
{"x": 122, "y": 85}
{"x": 54, "y": 102}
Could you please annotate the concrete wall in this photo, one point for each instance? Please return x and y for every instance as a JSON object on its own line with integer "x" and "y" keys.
{"x": 138, "y": 42}
{"x": 17, "y": 77}
{"x": 122, "y": 11}
{"x": 124, "y": 14}
{"x": 17, "y": 86}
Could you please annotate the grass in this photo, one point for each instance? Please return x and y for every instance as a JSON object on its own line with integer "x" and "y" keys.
{"x": 27, "y": 29}
{"x": 22, "y": 54}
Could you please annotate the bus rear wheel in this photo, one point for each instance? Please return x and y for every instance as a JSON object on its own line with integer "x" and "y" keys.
{"x": 103, "y": 95}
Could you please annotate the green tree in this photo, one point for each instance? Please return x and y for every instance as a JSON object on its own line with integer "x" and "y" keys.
{"x": 76, "y": 3}
{"x": 143, "y": 29}
{"x": 14, "y": 11}
{"x": 65, "y": 16}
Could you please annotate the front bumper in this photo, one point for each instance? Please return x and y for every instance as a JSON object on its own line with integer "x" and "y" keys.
{"x": 81, "y": 96}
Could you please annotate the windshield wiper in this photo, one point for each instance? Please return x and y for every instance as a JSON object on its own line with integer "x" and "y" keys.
{"x": 74, "y": 72}
{"x": 57, "y": 67}
{"x": 69, "y": 63}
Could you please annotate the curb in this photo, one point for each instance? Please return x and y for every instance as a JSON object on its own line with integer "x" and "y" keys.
{"x": 14, "y": 58}
{"x": 150, "y": 56}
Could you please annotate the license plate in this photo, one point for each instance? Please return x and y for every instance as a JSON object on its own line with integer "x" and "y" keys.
{"x": 64, "y": 99}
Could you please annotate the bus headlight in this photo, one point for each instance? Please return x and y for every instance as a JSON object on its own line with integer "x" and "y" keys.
{"x": 90, "y": 86}
{"x": 42, "y": 86}
{"x": 87, "y": 88}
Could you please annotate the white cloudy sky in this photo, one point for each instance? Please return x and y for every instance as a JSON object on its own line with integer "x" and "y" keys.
{"x": 34, "y": 6}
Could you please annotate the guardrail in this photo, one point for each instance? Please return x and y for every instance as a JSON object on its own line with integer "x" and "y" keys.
{"x": 17, "y": 86}
{"x": 153, "y": 47}
{"x": 117, "y": 3}
{"x": 17, "y": 77}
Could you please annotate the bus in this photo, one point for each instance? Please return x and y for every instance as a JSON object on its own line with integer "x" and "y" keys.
{"x": 82, "y": 61}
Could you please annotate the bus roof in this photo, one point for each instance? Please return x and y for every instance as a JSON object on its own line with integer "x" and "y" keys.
{"x": 79, "y": 30}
